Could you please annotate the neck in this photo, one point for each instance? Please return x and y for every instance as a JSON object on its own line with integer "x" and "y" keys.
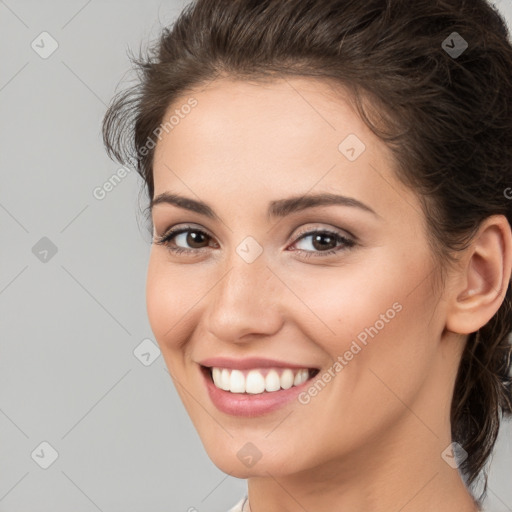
{"x": 395, "y": 472}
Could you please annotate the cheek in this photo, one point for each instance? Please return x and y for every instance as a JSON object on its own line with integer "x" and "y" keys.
{"x": 376, "y": 317}
{"x": 170, "y": 297}
{"x": 348, "y": 300}
{"x": 384, "y": 328}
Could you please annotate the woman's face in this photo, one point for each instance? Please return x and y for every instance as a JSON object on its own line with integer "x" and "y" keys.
{"x": 303, "y": 251}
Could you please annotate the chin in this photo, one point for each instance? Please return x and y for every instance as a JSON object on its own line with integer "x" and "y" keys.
{"x": 237, "y": 462}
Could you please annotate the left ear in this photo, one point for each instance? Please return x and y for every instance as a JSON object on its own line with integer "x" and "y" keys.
{"x": 480, "y": 286}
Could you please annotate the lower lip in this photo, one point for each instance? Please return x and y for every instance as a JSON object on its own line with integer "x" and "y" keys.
{"x": 248, "y": 405}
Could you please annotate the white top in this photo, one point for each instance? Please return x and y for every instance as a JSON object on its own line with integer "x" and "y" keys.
{"x": 239, "y": 507}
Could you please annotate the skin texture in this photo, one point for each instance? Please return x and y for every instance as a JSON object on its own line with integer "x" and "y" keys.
{"x": 372, "y": 439}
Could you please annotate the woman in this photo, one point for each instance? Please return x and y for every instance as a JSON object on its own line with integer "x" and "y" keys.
{"x": 329, "y": 283}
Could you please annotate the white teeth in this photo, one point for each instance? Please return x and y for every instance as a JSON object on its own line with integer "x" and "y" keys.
{"x": 255, "y": 382}
{"x": 237, "y": 382}
{"x": 287, "y": 379}
{"x": 216, "y": 372}
{"x": 272, "y": 382}
{"x": 224, "y": 379}
{"x": 300, "y": 377}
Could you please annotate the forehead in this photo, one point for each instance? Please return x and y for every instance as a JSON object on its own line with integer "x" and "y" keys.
{"x": 288, "y": 135}
{"x": 283, "y": 114}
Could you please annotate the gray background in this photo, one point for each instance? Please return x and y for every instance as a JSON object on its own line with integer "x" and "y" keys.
{"x": 70, "y": 321}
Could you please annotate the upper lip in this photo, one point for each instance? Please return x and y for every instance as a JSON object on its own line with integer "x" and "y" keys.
{"x": 249, "y": 362}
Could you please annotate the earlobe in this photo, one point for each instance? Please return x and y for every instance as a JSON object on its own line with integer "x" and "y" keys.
{"x": 484, "y": 277}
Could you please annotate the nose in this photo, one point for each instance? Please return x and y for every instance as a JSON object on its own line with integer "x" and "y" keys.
{"x": 244, "y": 303}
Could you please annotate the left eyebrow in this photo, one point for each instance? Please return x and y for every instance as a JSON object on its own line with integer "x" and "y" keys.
{"x": 277, "y": 208}
{"x": 283, "y": 207}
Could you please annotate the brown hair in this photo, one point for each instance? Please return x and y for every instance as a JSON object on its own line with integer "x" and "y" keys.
{"x": 446, "y": 117}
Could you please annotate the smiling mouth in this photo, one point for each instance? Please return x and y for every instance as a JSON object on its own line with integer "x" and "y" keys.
{"x": 257, "y": 381}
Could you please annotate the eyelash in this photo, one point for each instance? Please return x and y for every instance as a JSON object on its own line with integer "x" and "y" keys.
{"x": 167, "y": 237}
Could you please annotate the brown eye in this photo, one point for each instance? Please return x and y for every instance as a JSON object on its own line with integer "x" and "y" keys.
{"x": 196, "y": 239}
{"x": 318, "y": 242}
{"x": 184, "y": 239}
{"x": 324, "y": 241}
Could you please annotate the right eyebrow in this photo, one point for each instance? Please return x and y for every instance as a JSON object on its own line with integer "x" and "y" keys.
{"x": 185, "y": 203}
